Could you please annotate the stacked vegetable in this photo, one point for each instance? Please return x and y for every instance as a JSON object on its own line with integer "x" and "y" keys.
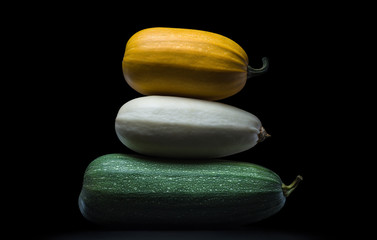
{"x": 177, "y": 132}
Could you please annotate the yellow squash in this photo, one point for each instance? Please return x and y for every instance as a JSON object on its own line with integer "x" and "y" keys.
{"x": 186, "y": 63}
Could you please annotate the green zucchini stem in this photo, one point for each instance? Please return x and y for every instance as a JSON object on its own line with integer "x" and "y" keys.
{"x": 287, "y": 190}
{"x": 252, "y": 72}
{"x": 262, "y": 135}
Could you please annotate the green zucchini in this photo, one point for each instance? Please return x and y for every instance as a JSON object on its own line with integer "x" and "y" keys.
{"x": 126, "y": 190}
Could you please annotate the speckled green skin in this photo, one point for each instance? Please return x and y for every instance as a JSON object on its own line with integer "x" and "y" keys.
{"x": 123, "y": 190}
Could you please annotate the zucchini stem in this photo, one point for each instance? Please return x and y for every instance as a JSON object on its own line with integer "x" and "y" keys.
{"x": 287, "y": 190}
{"x": 252, "y": 72}
{"x": 262, "y": 135}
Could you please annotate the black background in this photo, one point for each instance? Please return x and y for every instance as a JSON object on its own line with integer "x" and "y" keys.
{"x": 74, "y": 86}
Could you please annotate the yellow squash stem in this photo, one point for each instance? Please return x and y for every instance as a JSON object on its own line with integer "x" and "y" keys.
{"x": 252, "y": 72}
{"x": 287, "y": 190}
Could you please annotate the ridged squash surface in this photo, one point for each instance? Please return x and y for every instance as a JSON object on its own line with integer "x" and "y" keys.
{"x": 179, "y": 127}
{"x": 123, "y": 190}
{"x": 184, "y": 62}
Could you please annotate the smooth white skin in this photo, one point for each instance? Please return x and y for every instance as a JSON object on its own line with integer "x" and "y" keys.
{"x": 179, "y": 127}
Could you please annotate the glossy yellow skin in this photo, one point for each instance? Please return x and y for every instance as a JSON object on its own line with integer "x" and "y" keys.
{"x": 184, "y": 62}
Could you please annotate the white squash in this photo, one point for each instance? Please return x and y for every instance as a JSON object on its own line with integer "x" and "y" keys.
{"x": 180, "y": 127}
